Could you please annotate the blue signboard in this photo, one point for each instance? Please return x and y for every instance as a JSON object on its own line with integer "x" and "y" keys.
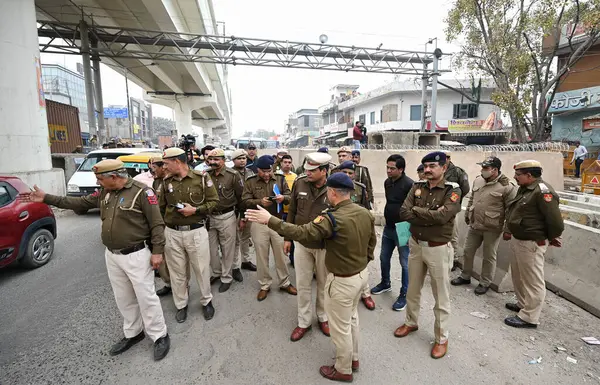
{"x": 116, "y": 112}
{"x": 576, "y": 100}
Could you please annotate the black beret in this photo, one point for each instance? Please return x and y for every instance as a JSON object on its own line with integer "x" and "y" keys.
{"x": 265, "y": 162}
{"x": 436, "y": 156}
{"x": 340, "y": 180}
{"x": 347, "y": 165}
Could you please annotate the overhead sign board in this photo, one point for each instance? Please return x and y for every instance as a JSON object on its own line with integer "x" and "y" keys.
{"x": 116, "y": 112}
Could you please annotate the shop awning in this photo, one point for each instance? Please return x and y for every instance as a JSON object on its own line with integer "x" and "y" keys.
{"x": 321, "y": 136}
{"x": 340, "y": 140}
{"x": 335, "y": 135}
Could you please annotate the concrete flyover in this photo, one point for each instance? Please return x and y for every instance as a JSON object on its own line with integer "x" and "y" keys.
{"x": 173, "y": 84}
{"x": 572, "y": 271}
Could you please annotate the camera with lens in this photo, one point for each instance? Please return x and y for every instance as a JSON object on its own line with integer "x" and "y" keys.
{"x": 187, "y": 142}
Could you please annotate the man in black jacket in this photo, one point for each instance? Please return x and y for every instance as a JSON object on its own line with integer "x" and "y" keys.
{"x": 397, "y": 186}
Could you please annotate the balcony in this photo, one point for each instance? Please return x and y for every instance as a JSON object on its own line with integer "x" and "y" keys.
{"x": 335, "y": 127}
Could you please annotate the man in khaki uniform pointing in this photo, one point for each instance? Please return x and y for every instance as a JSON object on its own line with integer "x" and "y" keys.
{"x": 348, "y": 231}
{"x": 130, "y": 216}
{"x": 430, "y": 208}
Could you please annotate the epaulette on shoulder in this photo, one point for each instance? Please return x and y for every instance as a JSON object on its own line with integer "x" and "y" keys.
{"x": 200, "y": 173}
{"x": 252, "y": 176}
{"x": 504, "y": 181}
{"x": 453, "y": 184}
{"x": 139, "y": 185}
{"x": 231, "y": 171}
{"x": 544, "y": 188}
{"x": 301, "y": 176}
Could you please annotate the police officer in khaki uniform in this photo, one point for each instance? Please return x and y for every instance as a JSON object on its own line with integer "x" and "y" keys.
{"x": 533, "y": 223}
{"x": 487, "y": 205}
{"x": 187, "y": 198}
{"x": 456, "y": 175}
{"x": 359, "y": 196}
{"x": 308, "y": 200}
{"x": 223, "y": 220}
{"x": 242, "y": 241}
{"x": 348, "y": 231}
{"x": 259, "y": 190}
{"x": 130, "y": 217}
{"x": 363, "y": 176}
{"x": 430, "y": 208}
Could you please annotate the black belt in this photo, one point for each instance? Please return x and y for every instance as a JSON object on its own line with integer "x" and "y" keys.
{"x": 186, "y": 227}
{"x": 129, "y": 250}
{"x": 223, "y": 211}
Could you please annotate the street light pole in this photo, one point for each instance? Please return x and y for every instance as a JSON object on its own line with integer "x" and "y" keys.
{"x": 129, "y": 115}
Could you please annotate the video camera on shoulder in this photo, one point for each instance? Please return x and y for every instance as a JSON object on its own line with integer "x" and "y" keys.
{"x": 187, "y": 142}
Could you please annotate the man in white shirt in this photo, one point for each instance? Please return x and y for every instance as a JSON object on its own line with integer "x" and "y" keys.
{"x": 578, "y": 157}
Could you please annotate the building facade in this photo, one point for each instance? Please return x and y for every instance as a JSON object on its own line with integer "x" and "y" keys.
{"x": 575, "y": 108}
{"x": 398, "y": 106}
{"x": 120, "y": 126}
{"x": 65, "y": 86}
{"x": 301, "y": 127}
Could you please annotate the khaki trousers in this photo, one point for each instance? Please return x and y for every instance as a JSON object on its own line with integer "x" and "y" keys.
{"x": 305, "y": 262}
{"x": 527, "y": 271}
{"x": 490, "y": 240}
{"x": 242, "y": 246}
{"x": 184, "y": 249}
{"x": 422, "y": 259}
{"x": 163, "y": 271}
{"x": 366, "y": 290}
{"x": 454, "y": 242}
{"x": 263, "y": 239}
{"x": 132, "y": 281}
{"x": 341, "y": 300}
{"x": 222, "y": 234}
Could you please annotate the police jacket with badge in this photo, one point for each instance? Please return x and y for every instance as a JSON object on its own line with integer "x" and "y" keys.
{"x": 229, "y": 186}
{"x": 347, "y": 231}
{"x": 488, "y": 203}
{"x": 534, "y": 213}
{"x": 457, "y": 175}
{"x": 195, "y": 188}
{"x": 431, "y": 211}
{"x": 130, "y": 216}
{"x": 306, "y": 203}
{"x": 256, "y": 188}
{"x": 360, "y": 195}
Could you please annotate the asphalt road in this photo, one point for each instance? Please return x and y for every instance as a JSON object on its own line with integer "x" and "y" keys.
{"x": 58, "y": 323}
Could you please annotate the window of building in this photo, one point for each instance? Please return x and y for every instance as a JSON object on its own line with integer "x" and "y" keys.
{"x": 381, "y": 116}
{"x": 372, "y": 117}
{"x": 306, "y": 120}
{"x": 415, "y": 112}
{"x": 465, "y": 111}
{"x": 361, "y": 118}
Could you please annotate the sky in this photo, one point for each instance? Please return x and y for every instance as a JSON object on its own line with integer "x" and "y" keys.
{"x": 264, "y": 97}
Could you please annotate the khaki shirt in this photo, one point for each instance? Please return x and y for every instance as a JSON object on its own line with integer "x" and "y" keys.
{"x": 196, "y": 189}
{"x": 349, "y": 239}
{"x": 244, "y": 172}
{"x": 534, "y": 213}
{"x": 229, "y": 186}
{"x": 129, "y": 216}
{"x": 421, "y": 209}
{"x": 361, "y": 174}
{"x": 256, "y": 188}
{"x": 457, "y": 175}
{"x": 488, "y": 203}
{"x": 306, "y": 203}
{"x": 359, "y": 195}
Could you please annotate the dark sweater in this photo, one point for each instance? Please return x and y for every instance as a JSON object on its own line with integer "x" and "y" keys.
{"x": 395, "y": 194}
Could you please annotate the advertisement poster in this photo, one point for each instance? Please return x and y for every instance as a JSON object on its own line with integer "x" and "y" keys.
{"x": 58, "y": 133}
{"x": 590, "y": 124}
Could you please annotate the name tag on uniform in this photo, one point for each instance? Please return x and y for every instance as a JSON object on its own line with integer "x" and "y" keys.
{"x": 302, "y": 194}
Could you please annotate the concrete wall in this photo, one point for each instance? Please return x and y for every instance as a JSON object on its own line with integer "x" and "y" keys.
{"x": 68, "y": 163}
{"x": 375, "y": 160}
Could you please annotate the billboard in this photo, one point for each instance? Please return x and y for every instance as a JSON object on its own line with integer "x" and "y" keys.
{"x": 465, "y": 125}
{"x": 576, "y": 100}
{"x": 116, "y": 112}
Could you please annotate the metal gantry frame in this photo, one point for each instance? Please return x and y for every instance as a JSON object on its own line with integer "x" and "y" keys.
{"x": 116, "y": 42}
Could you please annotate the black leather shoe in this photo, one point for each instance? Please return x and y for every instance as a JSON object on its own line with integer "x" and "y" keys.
{"x": 224, "y": 287}
{"x": 237, "y": 275}
{"x": 125, "y": 344}
{"x": 248, "y": 266}
{"x": 460, "y": 281}
{"x": 480, "y": 289}
{"x": 454, "y": 265}
{"x": 516, "y": 322}
{"x": 512, "y": 306}
{"x": 209, "y": 311}
{"x": 181, "y": 315}
{"x": 165, "y": 290}
{"x": 161, "y": 347}
{"x": 213, "y": 280}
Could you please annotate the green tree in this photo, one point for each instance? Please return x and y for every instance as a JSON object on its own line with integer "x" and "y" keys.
{"x": 162, "y": 126}
{"x": 516, "y": 42}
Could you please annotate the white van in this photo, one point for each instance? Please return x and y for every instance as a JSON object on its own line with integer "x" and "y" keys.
{"x": 83, "y": 181}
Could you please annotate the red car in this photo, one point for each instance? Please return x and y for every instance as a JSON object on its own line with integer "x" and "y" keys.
{"x": 27, "y": 230}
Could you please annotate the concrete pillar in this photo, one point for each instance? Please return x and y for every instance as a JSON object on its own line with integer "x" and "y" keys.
{"x": 24, "y": 139}
{"x": 183, "y": 117}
